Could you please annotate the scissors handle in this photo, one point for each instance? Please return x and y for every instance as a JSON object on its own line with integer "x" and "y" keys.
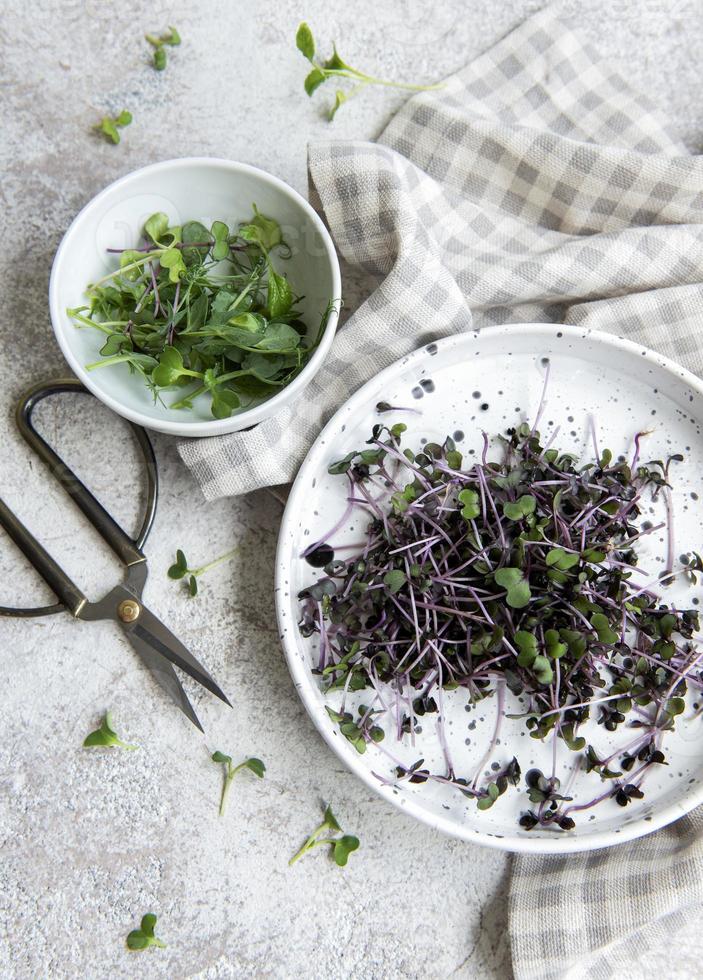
{"x": 127, "y": 550}
{"x": 67, "y": 592}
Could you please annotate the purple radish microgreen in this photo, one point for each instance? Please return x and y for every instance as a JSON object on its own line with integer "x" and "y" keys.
{"x": 514, "y": 574}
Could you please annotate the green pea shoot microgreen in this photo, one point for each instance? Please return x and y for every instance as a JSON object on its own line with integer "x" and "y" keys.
{"x": 340, "y": 846}
{"x": 110, "y": 126}
{"x": 106, "y": 735}
{"x": 143, "y": 937}
{"x": 171, "y": 38}
{"x": 180, "y": 568}
{"x": 334, "y": 68}
{"x": 230, "y": 771}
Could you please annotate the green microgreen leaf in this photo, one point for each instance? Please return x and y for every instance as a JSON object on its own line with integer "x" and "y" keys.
{"x": 560, "y": 559}
{"x": 602, "y": 627}
{"x": 394, "y": 580}
{"x": 265, "y": 231}
{"x": 230, "y": 771}
{"x": 106, "y": 735}
{"x": 517, "y": 586}
{"x": 343, "y": 847}
{"x": 527, "y": 645}
{"x": 340, "y": 847}
{"x": 470, "y": 501}
{"x": 110, "y": 126}
{"x": 279, "y": 296}
{"x": 180, "y": 568}
{"x": 304, "y": 41}
{"x": 144, "y": 937}
{"x": 335, "y": 67}
{"x": 523, "y": 507}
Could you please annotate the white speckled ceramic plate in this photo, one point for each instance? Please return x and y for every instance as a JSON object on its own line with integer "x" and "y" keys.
{"x": 491, "y": 380}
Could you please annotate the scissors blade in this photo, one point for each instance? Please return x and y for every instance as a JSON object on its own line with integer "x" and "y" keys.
{"x": 150, "y": 630}
{"x": 162, "y": 670}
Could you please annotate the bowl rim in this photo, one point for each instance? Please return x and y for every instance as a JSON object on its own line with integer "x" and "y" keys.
{"x": 213, "y": 427}
{"x": 300, "y": 671}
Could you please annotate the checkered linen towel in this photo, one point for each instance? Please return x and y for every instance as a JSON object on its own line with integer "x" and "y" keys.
{"x": 536, "y": 186}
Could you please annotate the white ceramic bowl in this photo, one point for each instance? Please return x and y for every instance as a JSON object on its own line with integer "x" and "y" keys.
{"x": 203, "y": 189}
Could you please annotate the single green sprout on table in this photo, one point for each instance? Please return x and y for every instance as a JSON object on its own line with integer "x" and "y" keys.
{"x": 109, "y": 126}
{"x": 340, "y": 847}
{"x": 334, "y": 67}
{"x": 144, "y": 937}
{"x": 180, "y": 568}
{"x": 253, "y": 765}
{"x": 106, "y": 735}
{"x": 171, "y": 38}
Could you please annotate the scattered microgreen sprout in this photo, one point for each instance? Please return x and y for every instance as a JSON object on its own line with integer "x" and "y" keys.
{"x": 180, "y": 568}
{"x": 334, "y": 68}
{"x": 171, "y": 37}
{"x": 204, "y": 312}
{"x": 511, "y": 575}
{"x": 144, "y": 937}
{"x": 230, "y": 771}
{"x": 110, "y": 126}
{"x": 106, "y": 735}
{"x": 340, "y": 846}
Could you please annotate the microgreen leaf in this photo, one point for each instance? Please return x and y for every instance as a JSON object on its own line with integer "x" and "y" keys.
{"x": 340, "y": 847}
{"x": 523, "y": 507}
{"x": 394, "y": 580}
{"x": 602, "y": 627}
{"x": 220, "y": 234}
{"x": 179, "y": 567}
{"x": 314, "y": 79}
{"x": 263, "y": 230}
{"x": 279, "y": 296}
{"x": 560, "y": 559}
{"x": 109, "y": 126}
{"x": 106, "y": 735}
{"x": 518, "y": 589}
{"x": 230, "y": 771}
{"x": 470, "y": 509}
{"x": 343, "y": 847}
{"x": 144, "y": 937}
{"x": 305, "y": 42}
{"x": 172, "y": 259}
{"x": 224, "y": 402}
{"x": 335, "y": 67}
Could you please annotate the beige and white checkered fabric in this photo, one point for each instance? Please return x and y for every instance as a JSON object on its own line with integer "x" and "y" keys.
{"x": 537, "y": 185}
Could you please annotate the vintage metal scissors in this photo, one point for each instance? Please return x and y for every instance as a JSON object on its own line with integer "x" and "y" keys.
{"x": 158, "y": 648}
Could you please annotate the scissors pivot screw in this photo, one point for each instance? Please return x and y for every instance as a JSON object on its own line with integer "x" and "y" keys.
{"x": 128, "y": 610}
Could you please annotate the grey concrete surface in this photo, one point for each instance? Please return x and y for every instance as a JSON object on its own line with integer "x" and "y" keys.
{"x": 89, "y": 841}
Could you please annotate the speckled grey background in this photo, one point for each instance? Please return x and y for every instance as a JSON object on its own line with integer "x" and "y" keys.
{"x": 89, "y": 841}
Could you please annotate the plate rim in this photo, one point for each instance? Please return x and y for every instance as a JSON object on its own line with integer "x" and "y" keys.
{"x": 300, "y": 673}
